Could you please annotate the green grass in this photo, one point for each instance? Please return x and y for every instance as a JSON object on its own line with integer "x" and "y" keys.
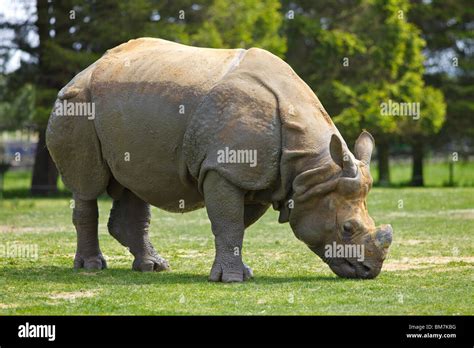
{"x": 435, "y": 174}
{"x": 429, "y": 269}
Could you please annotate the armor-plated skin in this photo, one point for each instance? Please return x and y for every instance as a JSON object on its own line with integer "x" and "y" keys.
{"x": 165, "y": 113}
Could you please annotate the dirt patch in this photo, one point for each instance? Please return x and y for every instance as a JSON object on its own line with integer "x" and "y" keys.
{"x": 72, "y": 296}
{"x": 8, "y": 306}
{"x": 467, "y": 214}
{"x": 406, "y": 263}
{"x": 464, "y": 214}
{"x": 190, "y": 254}
{"x": 411, "y": 242}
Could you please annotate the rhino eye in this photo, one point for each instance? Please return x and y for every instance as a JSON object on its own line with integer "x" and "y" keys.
{"x": 347, "y": 227}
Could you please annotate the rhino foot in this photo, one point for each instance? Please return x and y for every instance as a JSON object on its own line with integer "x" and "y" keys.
{"x": 91, "y": 262}
{"x": 150, "y": 264}
{"x": 233, "y": 274}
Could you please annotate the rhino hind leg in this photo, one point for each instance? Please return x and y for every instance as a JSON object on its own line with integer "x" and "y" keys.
{"x": 115, "y": 224}
{"x": 85, "y": 218}
{"x": 128, "y": 223}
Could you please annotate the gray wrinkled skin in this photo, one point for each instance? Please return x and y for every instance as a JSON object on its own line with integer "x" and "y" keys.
{"x": 163, "y": 111}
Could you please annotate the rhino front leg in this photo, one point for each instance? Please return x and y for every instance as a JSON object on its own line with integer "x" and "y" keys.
{"x": 225, "y": 208}
{"x": 85, "y": 218}
{"x": 128, "y": 223}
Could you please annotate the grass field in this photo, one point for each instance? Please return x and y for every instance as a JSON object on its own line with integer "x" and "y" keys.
{"x": 429, "y": 269}
{"x": 435, "y": 174}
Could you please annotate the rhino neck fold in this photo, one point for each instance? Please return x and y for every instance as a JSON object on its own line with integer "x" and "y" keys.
{"x": 293, "y": 163}
{"x": 305, "y": 146}
{"x": 305, "y": 138}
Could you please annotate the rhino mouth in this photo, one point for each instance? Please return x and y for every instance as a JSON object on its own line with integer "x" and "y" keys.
{"x": 353, "y": 269}
{"x": 350, "y": 268}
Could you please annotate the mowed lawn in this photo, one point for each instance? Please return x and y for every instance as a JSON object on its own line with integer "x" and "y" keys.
{"x": 429, "y": 269}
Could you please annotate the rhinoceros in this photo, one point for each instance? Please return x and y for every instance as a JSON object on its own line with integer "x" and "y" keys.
{"x": 234, "y": 130}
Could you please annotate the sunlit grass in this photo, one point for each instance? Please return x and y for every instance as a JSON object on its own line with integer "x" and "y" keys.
{"x": 435, "y": 174}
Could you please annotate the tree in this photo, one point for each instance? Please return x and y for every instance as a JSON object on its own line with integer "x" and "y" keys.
{"x": 16, "y": 109}
{"x": 45, "y": 174}
{"x": 331, "y": 46}
{"x": 221, "y": 24}
{"x": 15, "y": 112}
{"x": 447, "y": 29}
{"x": 365, "y": 54}
{"x": 320, "y": 36}
{"x": 418, "y": 132}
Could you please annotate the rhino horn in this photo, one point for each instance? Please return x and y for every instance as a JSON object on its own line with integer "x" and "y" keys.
{"x": 383, "y": 236}
{"x": 342, "y": 158}
{"x": 363, "y": 147}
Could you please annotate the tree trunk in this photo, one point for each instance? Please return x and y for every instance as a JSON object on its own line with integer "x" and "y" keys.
{"x": 45, "y": 174}
{"x": 383, "y": 165}
{"x": 417, "y": 171}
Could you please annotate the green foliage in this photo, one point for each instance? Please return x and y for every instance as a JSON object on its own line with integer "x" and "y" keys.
{"x": 320, "y": 37}
{"x": 363, "y": 111}
{"x": 395, "y": 72}
{"x": 361, "y": 59}
{"x": 223, "y": 24}
{"x": 44, "y": 101}
{"x": 432, "y": 116}
{"x": 243, "y": 24}
{"x": 447, "y": 29}
{"x": 16, "y": 110}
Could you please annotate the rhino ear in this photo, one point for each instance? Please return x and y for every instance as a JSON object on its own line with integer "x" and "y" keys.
{"x": 341, "y": 158}
{"x": 363, "y": 147}
{"x": 335, "y": 149}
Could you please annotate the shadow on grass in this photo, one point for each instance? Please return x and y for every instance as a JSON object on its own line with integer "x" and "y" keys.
{"x": 23, "y": 193}
{"x": 56, "y": 274}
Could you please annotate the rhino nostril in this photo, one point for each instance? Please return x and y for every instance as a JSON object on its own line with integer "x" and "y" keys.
{"x": 366, "y": 268}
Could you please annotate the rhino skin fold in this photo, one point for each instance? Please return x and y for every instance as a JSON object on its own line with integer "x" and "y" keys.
{"x": 163, "y": 113}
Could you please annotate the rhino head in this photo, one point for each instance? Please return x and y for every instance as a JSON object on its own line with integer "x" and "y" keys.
{"x": 330, "y": 211}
